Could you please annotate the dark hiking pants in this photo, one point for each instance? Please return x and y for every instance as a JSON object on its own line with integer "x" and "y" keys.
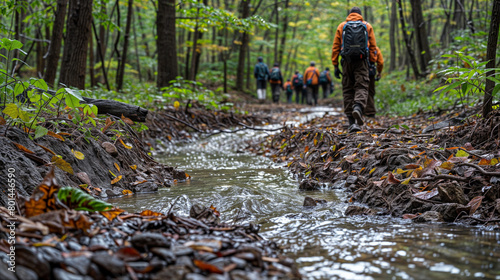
{"x": 326, "y": 90}
{"x": 298, "y": 93}
{"x": 312, "y": 94}
{"x": 370, "y": 102}
{"x": 355, "y": 83}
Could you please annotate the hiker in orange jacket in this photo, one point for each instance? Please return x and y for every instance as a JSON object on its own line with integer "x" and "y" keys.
{"x": 288, "y": 87}
{"x": 311, "y": 81}
{"x": 375, "y": 74}
{"x": 355, "y": 79}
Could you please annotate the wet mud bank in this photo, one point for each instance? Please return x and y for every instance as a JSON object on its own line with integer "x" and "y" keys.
{"x": 445, "y": 170}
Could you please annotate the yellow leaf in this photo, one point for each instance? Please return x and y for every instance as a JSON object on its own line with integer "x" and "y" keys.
{"x": 447, "y": 165}
{"x": 315, "y": 142}
{"x": 461, "y": 153}
{"x": 134, "y": 167}
{"x": 401, "y": 171}
{"x": 112, "y": 173}
{"x": 177, "y": 104}
{"x": 125, "y": 145}
{"x": 494, "y": 161}
{"x": 116, "y": 180}
{"x": 78, "y": 154}
{"x": 359, "y": 145}
{"x": 62, "y": 164}
{"x": 407, "y": 181}
{"x": 117, "y": 166}
{"x": 334, "y": 147}
{"x": 373, "y": 169}
{"x": 127, "y": 192}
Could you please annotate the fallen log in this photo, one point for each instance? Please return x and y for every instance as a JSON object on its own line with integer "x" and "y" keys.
{"x": 104, "y": 106}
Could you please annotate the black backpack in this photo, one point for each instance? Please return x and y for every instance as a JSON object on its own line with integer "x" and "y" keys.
{"x": 323, "y": 79}
{"x": 261, "y": 71}
{"x": 298, "y": 81}
{"x": 275, "y": 74}
{"x": 354, "y": 41}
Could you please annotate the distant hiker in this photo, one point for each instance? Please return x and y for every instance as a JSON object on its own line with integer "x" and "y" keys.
{"x": 355, "y": 42}
{"x": 288, "y": 87}
{"x": 298, "y": 84}
{"x": 276, "y": 80}
{"x": 311, "y": 81}
{"x": 325, "y": 80}
{"x": 261, "y": 73}
{"x": 375, "y": 74}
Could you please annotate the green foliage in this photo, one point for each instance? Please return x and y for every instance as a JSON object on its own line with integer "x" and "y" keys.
{"x": 79, "y": 200}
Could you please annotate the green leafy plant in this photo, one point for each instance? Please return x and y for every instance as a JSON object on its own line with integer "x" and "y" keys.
{"x": 79, "y": 200}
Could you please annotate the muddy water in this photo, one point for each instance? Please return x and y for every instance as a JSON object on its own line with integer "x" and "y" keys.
{"x": 325, "y": 243}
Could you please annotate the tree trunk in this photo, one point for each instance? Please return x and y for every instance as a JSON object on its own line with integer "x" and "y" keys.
{"x": 74, "y": 59}
{"x": 277, "y": 32}
{"x": 421, "y": 32}
{"x": 392, "y": 37}
{"x": 283, "y": 37}
{"x": 91, "y": 62}
{"x": 240, "y": 71}
{"x": 407, "y": 42}
{"x": 490, "y": 56}
{"x": 166, "y": 42}
{"x": 55, "y": 43}
{"x": 123, "y": 60}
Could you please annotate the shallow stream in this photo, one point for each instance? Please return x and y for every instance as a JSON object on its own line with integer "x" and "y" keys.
{"x": 325, "y": 243}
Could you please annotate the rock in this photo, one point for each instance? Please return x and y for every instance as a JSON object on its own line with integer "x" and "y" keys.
{"x": 310, "y": 185}
{"x": 145, "y": 187}
{"x": 84, "y": 178}
{"x": 238, "y": 274}
{"x": 351, "y": 179}
{"x": 79, "y": 265}
{"x": 353, "y": 210}
{"x": 23, "y": 272}
{"x": 194, "y": 276}
{"x": 110, "y": 148}
{"x": 61, "y": 274}
{"x": 182, "y": 251}
{"x": 309, "y": 201}
{"x": 452, "y": 193}
{"x": 149, "y": 240}
{"x": 112, "y": 193}
{"x": 339, "y": 184}
{"x": 172, "y": 273}
{"x": 165, "y": 254}
{"x": 109, "y": 263}
{"x": 50, "y": 254}
{"x": 184, "y": 261}
{"x": 429, "y": 216}
{"x": 201, "y": 212}
{"x": 29, "y": 258}
{"x": 5, "y": 274}
{"x": 447, "y": 210}
{"x": 73, "y": 246}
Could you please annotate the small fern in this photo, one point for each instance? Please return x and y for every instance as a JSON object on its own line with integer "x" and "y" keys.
{"x": 79, "y": 200}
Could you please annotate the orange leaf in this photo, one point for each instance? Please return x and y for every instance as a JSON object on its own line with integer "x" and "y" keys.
{"x": 108, "y": 124}
{"x": 306, "y": 149}
{"x": 414, "y": 146}
{"x": 215, "y": 210}
{"x": 327, "y": 164}
{"x": 125, "y": 145}
{"x": 117, "y": 166}
{"x": 2, "y": 121}
{"x": 484, "y": 161}
{"x": 23, "y": 148}
{"x": 127, "y": 192}
{"x": 138, "y": 182}
{"x": 409, "y": 216}
{"x": 134, "y": 167}
{"x": 127, "y": 120}
{"x": 111, "y": 214}
{"x": 421, "y": 153}
{"x": 150, "y": 213}
{"x": 392, "y": 179}
{"x": 452, "y": 148}
{"x": 55, "y": 135}
{"x": 209, "y": 267}
{"x": 46, "y": 149}
{"x": 115, "y": 180}
{"x": 447, "y": 165}
{"x": 43, "y": 198}
{"x": 474, "y": 204}
{"x": 64, "y": 133}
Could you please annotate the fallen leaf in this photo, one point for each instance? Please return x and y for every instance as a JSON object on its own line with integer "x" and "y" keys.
{"x": 427, "y": 194}
{"x": 117, "y": 166}
{"x": 407, "y": 181}
{"x": 447, "y": 165}
{"x": 409, "y": 216}
{"x": 150, "y": 213}
{"x": 43, "y": 198}
{"x": 55, "y": 135}
{"x": 474, "y": 204}
{"x": 216, "y": 213}
{"x": 373, "y": 169}
{"x": 208, "y": 267}
{"x": 116, "y": 180}
{"x": 127, "y": 192}
{"x": 128, "y": 254}
{"x": 494, "y": 161}
{"x": 62, "y": 164}
{"x": 2, "y": 121}
{"x": 461, "y": 153}
{"x": 78, "y": 155}
{"x": 127, "y": 120}
{"x": 138, "y": 182}
{"x": 392, "y": 179}
{"x": 23, "y": 148}
{"x": 306, "y": 149}
{"x": 125, "y": 145}
{"x": 177, "y": 104}
{"x": 46, "y": 149}
{"x": 108, "y": 124}
{"x": 351, "y": 158}
{"x": 64, "y": 134}
{"x": 111, "y": 214}
{"x": 303, "y": 164}
{"x": 133, "y": 167}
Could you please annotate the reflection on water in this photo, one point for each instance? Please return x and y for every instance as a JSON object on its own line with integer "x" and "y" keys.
{"x": 325, "y": 243}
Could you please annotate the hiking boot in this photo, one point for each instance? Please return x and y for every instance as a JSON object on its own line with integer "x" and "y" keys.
{"x": 353, "y": 128}
{"x": 357, "y": 113}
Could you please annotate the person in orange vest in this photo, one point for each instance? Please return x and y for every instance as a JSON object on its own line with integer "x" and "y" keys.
{"x": 288, "y": 87}
{"x": 311, "y": 82}
{"x": 375, "y": 74}
{"x": 355, "y": 42}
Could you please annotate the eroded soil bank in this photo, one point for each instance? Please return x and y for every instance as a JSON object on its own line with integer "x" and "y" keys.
{"x": 440, "y": 168}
